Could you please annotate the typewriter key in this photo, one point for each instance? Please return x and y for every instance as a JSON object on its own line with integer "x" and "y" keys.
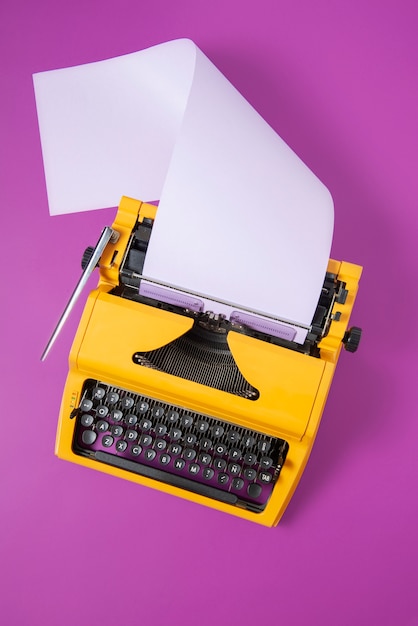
{"x": 86, "y": 420}
{"x": 265, "y": 477}
{"x": 208, "y": 473}
{"x": 99, "y": 393}
{"x": 160, "y": 429}
{"x": 131, "y": 434}
{"x": 158, "y": 411}
{"x": 237, "y": 484}
{"x": 189, "y": 454}
{"x": 172, "y": 416}
{"x": 266, "y": 462}
{"x": 249, "y": 473}
{"x": 254, "y": 490}
{"x": 223, "y": 479}
{"x": 116, "y": 415}
{"x": 131, "y": 419}
{"x": 86, "y": 405}
{"x": 150, "y": 454}
{"x": 219, "y": 464}
{"x": 89, "y": 437}
{"x": 112, "y": 397}
{"x": 127, "y": 402}
{"x": 102, "y": 410}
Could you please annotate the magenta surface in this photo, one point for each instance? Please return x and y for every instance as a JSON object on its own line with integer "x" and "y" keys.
{"x": 338, "y": 81}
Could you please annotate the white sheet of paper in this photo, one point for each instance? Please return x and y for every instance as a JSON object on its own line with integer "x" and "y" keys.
{"x": 241, "y": 218}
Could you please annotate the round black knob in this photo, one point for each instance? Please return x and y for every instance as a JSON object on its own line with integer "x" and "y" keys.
{"x": 88, "y": 253}
{"x": 352, "y": 338}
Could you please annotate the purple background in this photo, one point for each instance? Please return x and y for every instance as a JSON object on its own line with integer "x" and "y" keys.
{"x": 338, "y": 81}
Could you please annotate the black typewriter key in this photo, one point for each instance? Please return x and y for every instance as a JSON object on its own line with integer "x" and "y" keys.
{"x": 116, "y": 430}
{"x": 220, "y": 449}
{"x": 219, "y": 464}
{"x": 160, "y": 430}
{"x": 250, "y": 473}
{"x": 217, "y": 431}
{"x": 265, "y": 477}
{"x": 186, "y": 421}
{"x": 131, "y": 435}
{"x": 131, "y": 419}
{"x": 264, "y": 446}
{"x": 266, "y": 462}
{"x": 88, "y": 437}
{"x": 194, "y": 469}
{"x": 86, "y": 405}
{"x": 223, "y": 479}
{"x": 146, "y": 440}
{"x": 175, "y": 449}
{"x": 121, "y": 445}
{"x": 107, "y": 441}
{"x": 248, "y": 441}
{"x": 235, "y": 454}
{"x": 145, "y": 424}
{"x": 150, "y": 454}
{"x": 202, "y": 426}
{"x": 172, "y": 416}
{"x": 136, "y": 450}
{"x": 116, "y": 415}
{"x": 102, "y": 426}
{"x": 160, "y": 444}
{"x": 208, "y": 473}
{"x": 190, "y": 439}
{"x": 143, "y": 407}
{"x": 158, "y": 411}
{"x": 189, "y": 454}
{"x": 234, "y": 469}
{"x": 250, "y": 459}
{"x": 127, "y": 402}
{"x": 175, "y": 434}
{"x": 86, "y": 420}
{"x": 165, "y": 459}
{"x": 99, "y": 393}
{"x": 205, "y": 459}
{"x": 179, "y": 464}
{"x": 254, "y": 490}
{"x": 102, "y": 410}
{"x": 206, "y": 444}
{"x": 233, "y": 436}
{"x": 237, "y": 484}
{"x": 112, "y": 397}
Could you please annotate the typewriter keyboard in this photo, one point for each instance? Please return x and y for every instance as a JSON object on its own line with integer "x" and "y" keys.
{"x": 176, "y": 446}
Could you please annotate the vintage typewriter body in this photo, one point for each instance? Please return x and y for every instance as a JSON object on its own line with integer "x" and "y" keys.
{"x": 189, "y": 402}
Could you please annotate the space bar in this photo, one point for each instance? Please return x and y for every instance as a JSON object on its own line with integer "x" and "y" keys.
{"x": 165, "y": 477}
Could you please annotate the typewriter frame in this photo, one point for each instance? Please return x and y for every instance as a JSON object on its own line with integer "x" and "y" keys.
{"x": 293, "y": 385}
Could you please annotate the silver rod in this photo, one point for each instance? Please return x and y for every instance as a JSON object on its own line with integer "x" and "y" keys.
{"x": 104, "y": 239}
{"x": 241, "y": 307}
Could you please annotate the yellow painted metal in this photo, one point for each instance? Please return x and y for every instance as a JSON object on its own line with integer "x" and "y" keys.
{"x": 293, "y": 386}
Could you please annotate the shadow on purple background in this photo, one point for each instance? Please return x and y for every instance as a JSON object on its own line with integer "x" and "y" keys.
{"x": 338, "y": 83}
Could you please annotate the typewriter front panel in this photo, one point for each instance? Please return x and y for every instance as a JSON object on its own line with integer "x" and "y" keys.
{"x": 261, "y": 468}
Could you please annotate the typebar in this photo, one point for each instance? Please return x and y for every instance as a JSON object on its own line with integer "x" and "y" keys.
{"x": 171, "y": 444}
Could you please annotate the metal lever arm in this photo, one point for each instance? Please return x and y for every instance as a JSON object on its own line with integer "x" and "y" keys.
{"x": 107, "y": 234}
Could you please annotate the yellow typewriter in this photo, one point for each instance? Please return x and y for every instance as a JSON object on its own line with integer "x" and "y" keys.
{"x": 189, "y": 402}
